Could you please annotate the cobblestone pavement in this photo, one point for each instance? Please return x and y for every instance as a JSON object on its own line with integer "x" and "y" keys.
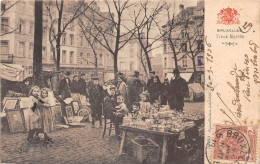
{"x": 72, "y": 145}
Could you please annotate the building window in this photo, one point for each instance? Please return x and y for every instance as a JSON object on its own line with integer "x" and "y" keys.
{"x": 4, "y": 47}
{"x": 200, "y": 61}
{"x": 81, "y": 40}
{"x": 71, "y": 39}
{"x": 164, "y": 47}
{"x": 200, "y": 45}
{"x": 22, "y": 27}
{"x": 64, "y": 55}
{"x": 64, "y": 38}
{"x": 4, "y": 25}
{"x": 131, "y": 50}
{"x": 81, "y": 58}
{"x": 21, "y": 51}
{"x": 44, "y": 53}
{"x": 31, "y": 50}
{"x": 131, "y": 65}
{"x": 88, "y": 57}
{"x": 31, "y": 28}
{"x": 72, "y": 25}
{"x": 184, "y": 61}
{"x": 165, "y": 62}
{"x": 122, "y": 66}
{"x": 183, "y": 47}
{"x": 44, "y": 32}
{"x": 100, "y": 61}
{"x": 71, "y": 57}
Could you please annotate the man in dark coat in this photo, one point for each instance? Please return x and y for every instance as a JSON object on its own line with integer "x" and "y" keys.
{"x": 83, "y": 90}
{"x": 74, "y": 85}
{"x": 134, "y": 89}
{"x": 82, "y": 85}
{"x": 64, "y": 91}
{"x": 155, "y": 89}
{"x": 96, "y": 100}
{"x": 165, "y": 92}
{"x": 64, "y": 87}
{"x": 178, "y": 89}
{"x": 150, "y": 81}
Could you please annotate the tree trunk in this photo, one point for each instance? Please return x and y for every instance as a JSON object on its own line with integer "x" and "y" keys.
{"x": 96, "y": 65}
{"x": 144, "y": 66}
{"x": 194, "y": 67}
{"x": 37, "y": 51}
{"x": 174, "y": 53}
{"x": 115, "y": 64}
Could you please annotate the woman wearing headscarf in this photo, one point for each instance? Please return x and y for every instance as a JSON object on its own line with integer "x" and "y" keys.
{"x": 121, "y": 87}
{"x": 155, "y": 89}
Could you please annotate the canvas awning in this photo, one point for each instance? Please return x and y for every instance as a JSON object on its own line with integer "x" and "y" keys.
{"x": 12, "y": 72}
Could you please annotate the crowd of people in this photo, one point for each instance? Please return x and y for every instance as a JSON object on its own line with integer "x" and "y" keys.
{"x": 114, "y": 101}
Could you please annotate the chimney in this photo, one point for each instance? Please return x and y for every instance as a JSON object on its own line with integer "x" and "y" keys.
{"x": 181, "y": 7}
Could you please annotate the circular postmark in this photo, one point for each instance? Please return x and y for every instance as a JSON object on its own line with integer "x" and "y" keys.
{"x": 230, "y": 143}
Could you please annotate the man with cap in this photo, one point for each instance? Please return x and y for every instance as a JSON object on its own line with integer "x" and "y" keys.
{"x": 96, "y": 100}
{"x": 134, "y": 89}
{"x": 64, "y": 87}
{"x": 177, "y": 91}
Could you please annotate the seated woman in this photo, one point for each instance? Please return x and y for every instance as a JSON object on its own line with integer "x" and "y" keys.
{"x": 114, "y": 108}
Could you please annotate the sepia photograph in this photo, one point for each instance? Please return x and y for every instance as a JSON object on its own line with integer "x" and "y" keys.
{"x": 105, "y": 81}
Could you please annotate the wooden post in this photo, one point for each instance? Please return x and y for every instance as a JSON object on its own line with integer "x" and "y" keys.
{"x": 164, "y": 150}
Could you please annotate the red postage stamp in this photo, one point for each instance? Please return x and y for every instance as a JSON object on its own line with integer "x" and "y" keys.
{"x": 235, "y": 143}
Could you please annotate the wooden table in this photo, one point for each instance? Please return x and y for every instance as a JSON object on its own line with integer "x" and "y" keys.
{"x": 165, "y": 135}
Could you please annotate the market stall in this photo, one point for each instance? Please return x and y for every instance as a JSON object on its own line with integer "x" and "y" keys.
{"x": 162, "y": 122}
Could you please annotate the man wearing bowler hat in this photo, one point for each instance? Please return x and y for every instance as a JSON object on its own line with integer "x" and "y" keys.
{"x": 96, "y": 100}
{"x": 178, "y": 89}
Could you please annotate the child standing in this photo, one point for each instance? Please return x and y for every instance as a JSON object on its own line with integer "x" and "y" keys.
{"x": 34, "y": 116}
{"x": 144, "y": 103}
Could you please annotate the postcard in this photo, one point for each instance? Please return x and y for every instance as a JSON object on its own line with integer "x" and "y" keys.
{"x": 169, "y": 82}
{"x": 232, "y": 108}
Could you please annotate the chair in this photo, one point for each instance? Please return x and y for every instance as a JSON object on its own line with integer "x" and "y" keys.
{"x": 110, "y": 128}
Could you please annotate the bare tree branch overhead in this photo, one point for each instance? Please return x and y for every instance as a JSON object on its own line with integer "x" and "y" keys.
{"x": 60, "y": 23}
{"x": 7, "y": 5}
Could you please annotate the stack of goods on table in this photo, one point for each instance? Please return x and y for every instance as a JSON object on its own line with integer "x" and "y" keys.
{"x": 163, "y": 119}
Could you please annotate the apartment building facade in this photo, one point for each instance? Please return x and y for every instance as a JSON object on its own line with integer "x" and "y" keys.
{"x": 188, "y": 59}
{"x": 76, "y": 54}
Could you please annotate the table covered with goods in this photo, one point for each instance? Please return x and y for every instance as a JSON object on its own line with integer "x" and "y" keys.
{"x": 162, "y": 121}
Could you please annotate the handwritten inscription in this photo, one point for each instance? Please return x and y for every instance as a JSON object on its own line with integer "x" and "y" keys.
{"x": 209, "y": 60}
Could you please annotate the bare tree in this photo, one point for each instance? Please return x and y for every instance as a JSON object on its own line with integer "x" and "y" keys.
{"x": 195, "y": 43}
{"x": 5, "y": 6}
{"x": 170, "y": 37}
{"x": 59, "y": 23}
{"x": 113, "y": 39}
{"x": 144, "y": 20}
{"x": 185, "y": 37}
